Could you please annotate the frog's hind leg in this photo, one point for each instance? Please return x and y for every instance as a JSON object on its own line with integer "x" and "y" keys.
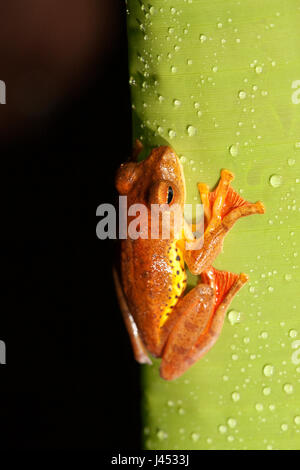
{"x": 224, "y": 285}
{"x": 139, "y": 350}
{"x": 188, "y": 320}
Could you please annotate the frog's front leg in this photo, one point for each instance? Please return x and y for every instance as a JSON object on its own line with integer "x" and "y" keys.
{"x": 222, "y": 208}
{"x": 200, "y": 325}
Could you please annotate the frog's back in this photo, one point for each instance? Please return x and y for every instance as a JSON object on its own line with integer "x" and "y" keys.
{"x": 153, "y": 278}
{"x": 153, "y": 274}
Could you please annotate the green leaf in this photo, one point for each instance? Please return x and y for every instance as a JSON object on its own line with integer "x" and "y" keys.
{"x": 220, "y": 82}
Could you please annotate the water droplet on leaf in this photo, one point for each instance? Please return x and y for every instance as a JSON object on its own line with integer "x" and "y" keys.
{"x": 234, "y": 150}
{"x": 235, "y": 396}
{"x": 242, "y": 95}
{"x": 231, "y": 422}
{"x": 291, "y": 161}
{"x": 297, "y": 420}
{"x": 195, "y": 436}
{"x": 191, "y": 130}
{"x": 275, "y": 181}
{"x": 161, "y": 435}
{"x": 268, "y": 370}
{"x": 222, "y": 429}
{"x": 288, "y": 389}
{"x": 293, "y": 333}
{"x": 234, "y": 317}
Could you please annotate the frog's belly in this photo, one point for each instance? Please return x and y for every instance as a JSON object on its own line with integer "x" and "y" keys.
{"x": 178, "y": 282}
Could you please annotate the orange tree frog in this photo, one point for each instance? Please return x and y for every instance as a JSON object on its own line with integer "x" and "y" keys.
{"x": 151, "y": 281}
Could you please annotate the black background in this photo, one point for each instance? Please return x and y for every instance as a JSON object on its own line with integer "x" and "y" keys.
{"x": 70, "y": 381}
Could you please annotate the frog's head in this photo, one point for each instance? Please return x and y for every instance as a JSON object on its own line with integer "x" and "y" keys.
{"x": 157, "y": 180}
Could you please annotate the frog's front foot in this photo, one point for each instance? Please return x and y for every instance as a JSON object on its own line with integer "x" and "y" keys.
{"x": 224, "y": 200}
{"x": 222, "y": 208}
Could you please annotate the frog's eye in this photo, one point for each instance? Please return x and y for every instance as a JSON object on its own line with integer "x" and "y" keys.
{"x": 161, "y": 192}
{"x": 170, "y": 195}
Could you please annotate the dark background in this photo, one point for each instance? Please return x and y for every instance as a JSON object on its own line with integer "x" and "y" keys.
{"x": 70, "y": 381}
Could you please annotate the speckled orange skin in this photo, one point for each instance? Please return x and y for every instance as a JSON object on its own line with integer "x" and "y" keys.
{"x": 146, "y": 272}
{"x": 158, "y": 317}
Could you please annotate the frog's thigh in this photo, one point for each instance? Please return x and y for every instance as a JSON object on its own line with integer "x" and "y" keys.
{"x": 193, "y": 312}
{"x": 206, "y": 342}
{"x": 139, "y": 350}
{"x": 212, "y": 332}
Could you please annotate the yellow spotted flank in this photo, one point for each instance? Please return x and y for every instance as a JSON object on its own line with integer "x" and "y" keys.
{"x": 176, "y": 261}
